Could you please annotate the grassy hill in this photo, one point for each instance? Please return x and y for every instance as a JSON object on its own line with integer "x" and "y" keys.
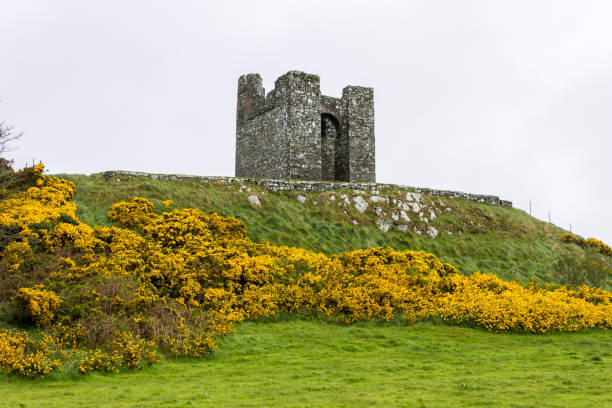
{"x": 471, "y": 236}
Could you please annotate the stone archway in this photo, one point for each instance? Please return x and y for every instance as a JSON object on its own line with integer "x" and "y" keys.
{"x": 334, "y": 150}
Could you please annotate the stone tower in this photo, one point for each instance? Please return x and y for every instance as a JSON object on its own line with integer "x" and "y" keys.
{"x": 294, "y": 132}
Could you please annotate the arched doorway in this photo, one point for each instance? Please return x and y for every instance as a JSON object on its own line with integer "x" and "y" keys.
{"x": 334, "y": 150}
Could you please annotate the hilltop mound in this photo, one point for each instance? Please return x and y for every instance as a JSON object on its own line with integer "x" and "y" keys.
{"x": 472, "y": 236}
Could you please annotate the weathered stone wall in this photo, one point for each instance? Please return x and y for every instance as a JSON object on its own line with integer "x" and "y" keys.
{"x": 317, "y": 186}
{"x": 294, "y": 132}
{"x": 359, "y": 123}
{"x": 261, "y": 149}
{"x": 301, "y": 96}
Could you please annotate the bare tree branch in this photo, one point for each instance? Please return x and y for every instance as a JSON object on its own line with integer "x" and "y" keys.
{"x": 8, "y": 176}
{"x": 7, "y": 135}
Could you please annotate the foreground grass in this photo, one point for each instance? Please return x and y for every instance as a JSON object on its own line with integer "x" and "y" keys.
{"x": 311, "y": 363}
{"x": 492, "y": 239}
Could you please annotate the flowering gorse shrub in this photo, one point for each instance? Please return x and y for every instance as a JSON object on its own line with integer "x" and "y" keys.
{"x": 37, "y": 304}
{"x": 136, "y": 213}
{"x": 46, "y": 201}
{"x": 590, "y": 268}
{"x": 21, "y": 355}
{"x": 16, "y": 254}
{"x": 174, "y": 281}
{"x": 569, "y": 238}
{"x": 124, "y": 350}
{"x": 592, "y": 243}
{"x": 599, "y": 246}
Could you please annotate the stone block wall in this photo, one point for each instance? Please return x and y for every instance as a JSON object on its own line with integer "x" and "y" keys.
{"x": 259, "y": 152}
{"x": 359, "y": 114}
{"x": 300, "y": 94}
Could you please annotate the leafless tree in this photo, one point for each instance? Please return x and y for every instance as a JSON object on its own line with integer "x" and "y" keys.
{"x": 7, "y": 177}
{"x": 7, "y": 135}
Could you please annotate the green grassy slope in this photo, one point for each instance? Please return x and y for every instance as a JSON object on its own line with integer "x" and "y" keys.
{"x": 472, "y": 236}
{"x": 316, "y": 364}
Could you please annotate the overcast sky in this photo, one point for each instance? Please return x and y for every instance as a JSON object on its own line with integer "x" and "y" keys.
{"x": 505, "y": 98}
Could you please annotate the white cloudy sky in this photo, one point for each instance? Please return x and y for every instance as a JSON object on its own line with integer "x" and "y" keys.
{"x": 506, "y": 98}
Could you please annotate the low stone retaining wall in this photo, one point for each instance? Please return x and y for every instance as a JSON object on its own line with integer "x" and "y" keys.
{"x": 316, "y": 186}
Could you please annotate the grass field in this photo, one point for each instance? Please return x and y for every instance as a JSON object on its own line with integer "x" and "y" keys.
{"x": 487, "y": 238}
{"x": 298, "y": 363}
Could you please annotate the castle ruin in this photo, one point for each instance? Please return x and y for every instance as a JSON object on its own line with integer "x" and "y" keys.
{"x": 296, "y": 133}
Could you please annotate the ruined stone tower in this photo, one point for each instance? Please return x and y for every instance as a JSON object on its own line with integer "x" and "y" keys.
{"x": 294, "y": 132}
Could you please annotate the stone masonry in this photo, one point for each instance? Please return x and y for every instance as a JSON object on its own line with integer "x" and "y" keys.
{"x": 295, "y": 133}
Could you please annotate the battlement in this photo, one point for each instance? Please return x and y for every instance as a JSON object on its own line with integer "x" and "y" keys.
{"x": 294, "y": 132}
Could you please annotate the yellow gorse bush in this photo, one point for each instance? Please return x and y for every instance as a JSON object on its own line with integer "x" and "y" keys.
{"x": 599, "y": 246}
{"x": 126, "y": 350}
{"x": 21, "y": 355}
{"x": 15, "y": 254}
{"x": 47, "y": 201}
{"x": 592, "y": 243}
{"x": 136, "y": 213}
{"x": 175, "y": 282}
{"x": 568, "y": 238}
{"x": 37, "y": 303}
